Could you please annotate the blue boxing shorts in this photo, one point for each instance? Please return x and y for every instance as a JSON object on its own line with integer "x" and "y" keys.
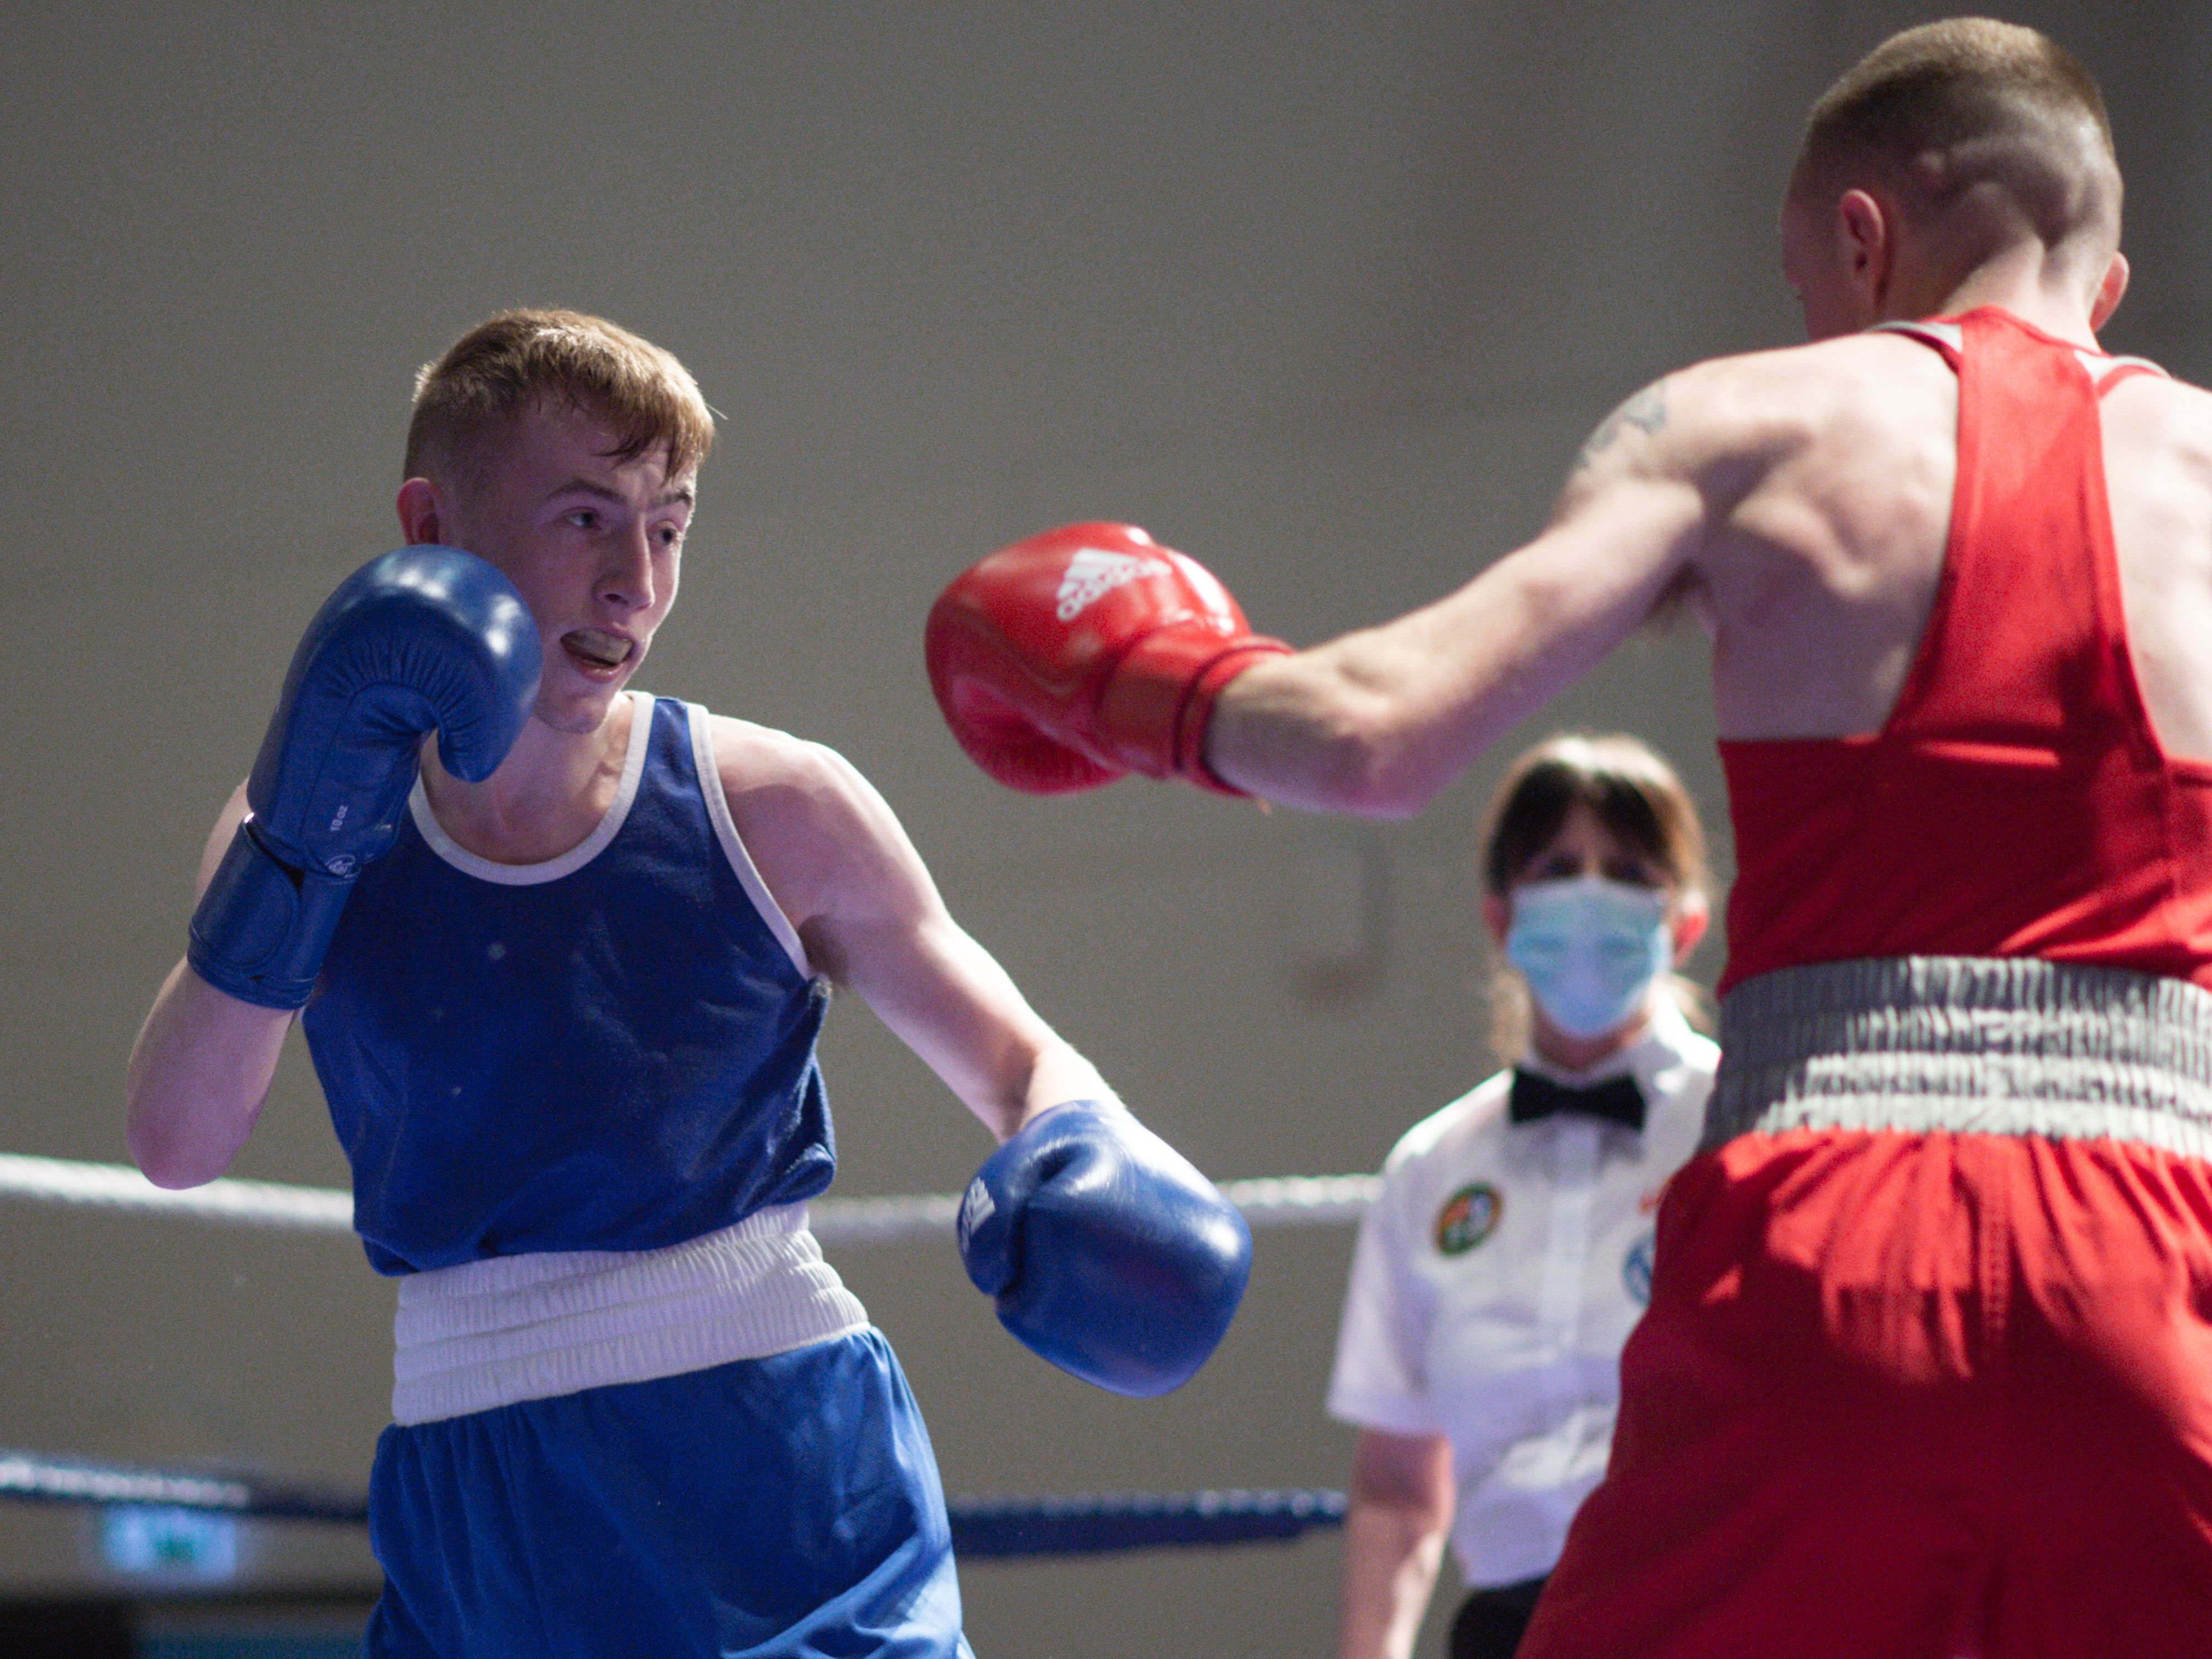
{"x": 783, "y": 1508}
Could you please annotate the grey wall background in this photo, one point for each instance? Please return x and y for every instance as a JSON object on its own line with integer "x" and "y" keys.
{"x": 1325, "y": 294}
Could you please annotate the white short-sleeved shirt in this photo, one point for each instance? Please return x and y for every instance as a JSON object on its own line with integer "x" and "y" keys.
{"x": 1496, "y": 1278}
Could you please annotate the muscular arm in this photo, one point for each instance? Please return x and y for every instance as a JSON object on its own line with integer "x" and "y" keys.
{"x": 837, "y": 860}
{"x": 200, "y": 1070}
{"x": 1377, "y": 721}
{"x": 1401, "y": 1505}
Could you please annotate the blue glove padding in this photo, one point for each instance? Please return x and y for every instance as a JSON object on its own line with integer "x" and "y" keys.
{"x": 1109, "y": 1256}
{"x": 425, "y": 638}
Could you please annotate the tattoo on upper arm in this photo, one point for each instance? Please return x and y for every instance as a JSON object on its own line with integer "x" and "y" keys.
{"x": 1646, "y": 411}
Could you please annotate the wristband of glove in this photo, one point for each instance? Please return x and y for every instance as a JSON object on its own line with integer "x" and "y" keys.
{"x": 1154, "y": 713}
{"x": 263, "y": 926}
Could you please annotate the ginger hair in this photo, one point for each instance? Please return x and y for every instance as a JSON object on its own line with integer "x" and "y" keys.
{"x": 523, "y": 360}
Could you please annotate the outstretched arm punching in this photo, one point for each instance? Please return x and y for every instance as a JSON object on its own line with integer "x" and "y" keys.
{"x": 1105, "y": 1251}
{"x": 1089, "y": 651}
{"x": 840, "y": 865}
{"x": 1378, "y": 721}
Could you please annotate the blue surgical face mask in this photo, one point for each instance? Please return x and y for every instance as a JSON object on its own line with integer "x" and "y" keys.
{"x": 1589, "y": 949}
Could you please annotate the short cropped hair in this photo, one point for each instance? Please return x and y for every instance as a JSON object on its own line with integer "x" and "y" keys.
{"x": 1635, "y": 794}
{"x": 524, "y": 360}
{"x": 1938, "y": 110}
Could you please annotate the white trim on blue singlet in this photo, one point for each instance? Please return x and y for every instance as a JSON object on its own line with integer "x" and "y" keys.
{"x": 734, "y": 846}
{"x": 529, "y": 875}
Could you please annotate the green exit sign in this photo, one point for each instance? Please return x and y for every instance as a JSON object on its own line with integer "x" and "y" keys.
{"x": 145, "y": 1542}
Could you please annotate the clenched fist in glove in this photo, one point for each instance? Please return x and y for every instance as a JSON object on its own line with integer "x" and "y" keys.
{"x": 1106, "y": 1252}
{"x": 1066, "y": 660}
{"x": 426, "y": 639}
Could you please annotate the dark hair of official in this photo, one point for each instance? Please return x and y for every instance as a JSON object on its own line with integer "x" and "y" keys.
{"x": 1641, "y": 803}
{"x": 1634, "y": 793}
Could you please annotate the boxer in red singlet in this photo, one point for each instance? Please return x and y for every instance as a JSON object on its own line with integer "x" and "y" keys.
{"x": 1927, "y": 1368}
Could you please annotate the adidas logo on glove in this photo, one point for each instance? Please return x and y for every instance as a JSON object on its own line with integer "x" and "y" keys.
{"x": 1092, "y": 574}
{"x": 975, "y": 1209}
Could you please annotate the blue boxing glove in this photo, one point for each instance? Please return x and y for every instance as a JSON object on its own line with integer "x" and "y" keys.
{"x": 1109, "y": 1255}
{"x": 425, "y": 638}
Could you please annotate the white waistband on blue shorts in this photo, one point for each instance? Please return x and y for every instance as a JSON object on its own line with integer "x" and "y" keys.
{"x": 488, "y": 1334}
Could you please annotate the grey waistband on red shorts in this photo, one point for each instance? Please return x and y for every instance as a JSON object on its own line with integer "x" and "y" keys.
{"x": 1972, "y": 1045}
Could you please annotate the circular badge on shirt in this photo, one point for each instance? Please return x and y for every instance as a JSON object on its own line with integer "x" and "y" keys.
{"x": 1636, "y": 1268}
{"x": 1469, "y": 1216}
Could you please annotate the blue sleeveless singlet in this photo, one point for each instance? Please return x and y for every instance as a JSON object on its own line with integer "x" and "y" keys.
{"x": 610, "y": 1051}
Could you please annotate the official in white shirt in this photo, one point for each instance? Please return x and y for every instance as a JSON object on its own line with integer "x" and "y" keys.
{"x": 1499, "y": 1271}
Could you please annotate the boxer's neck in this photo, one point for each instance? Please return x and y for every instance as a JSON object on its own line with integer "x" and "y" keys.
{"x": 2025, "y": 281}
{"x": 549, "y": 794}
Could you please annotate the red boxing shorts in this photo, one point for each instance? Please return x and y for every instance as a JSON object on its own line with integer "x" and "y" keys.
{"x": 1928, "y": 1365}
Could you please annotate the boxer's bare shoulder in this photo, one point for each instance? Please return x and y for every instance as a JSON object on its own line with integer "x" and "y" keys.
{"x": 825, "y": 842}
{"x": 2158, "y": 436}
{"x": 839, "y": 864}
{"x": 1733, "y": 424}
{"x": 2157, "y": 472}
{"x": 1795, "y": 496}
{"x": 1828, "y": 472}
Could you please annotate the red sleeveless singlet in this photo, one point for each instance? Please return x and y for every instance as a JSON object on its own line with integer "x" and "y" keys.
{"x": 2016, "y": 802}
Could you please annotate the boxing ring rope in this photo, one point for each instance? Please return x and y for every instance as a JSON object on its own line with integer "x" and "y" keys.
{"x": 982, "y": 1527}
{"x": 1282, "y": 1201}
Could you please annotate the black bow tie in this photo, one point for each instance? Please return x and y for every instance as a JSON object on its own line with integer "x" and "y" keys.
{"x": 1617, "y": 1100}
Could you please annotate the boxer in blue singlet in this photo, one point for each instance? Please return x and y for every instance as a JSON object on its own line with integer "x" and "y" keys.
{"x": 561, "y": 950}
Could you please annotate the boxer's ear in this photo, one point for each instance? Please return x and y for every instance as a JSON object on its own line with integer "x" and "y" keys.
{"x": 2109, "y": 291}
{"x": 1866, "y": 244}
{"x": 421, "y": 514}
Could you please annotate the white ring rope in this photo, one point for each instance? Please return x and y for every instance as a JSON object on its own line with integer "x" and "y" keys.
{"x": 119, "y": 1187}
{"x": 1282, "y": 1201}
{"x": 28, "y": 1476}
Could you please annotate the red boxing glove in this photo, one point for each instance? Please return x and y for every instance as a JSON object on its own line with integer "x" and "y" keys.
{"x": 1090, "y": 651}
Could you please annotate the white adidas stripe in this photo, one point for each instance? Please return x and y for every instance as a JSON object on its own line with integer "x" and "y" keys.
{"x": 1092, "y": 573}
